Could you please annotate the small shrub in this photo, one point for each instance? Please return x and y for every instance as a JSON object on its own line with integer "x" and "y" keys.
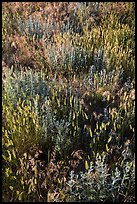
{"x": 99, "y": 183}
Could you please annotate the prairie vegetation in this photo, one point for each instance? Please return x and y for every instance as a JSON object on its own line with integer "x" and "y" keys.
{"x": 68, "y": 101}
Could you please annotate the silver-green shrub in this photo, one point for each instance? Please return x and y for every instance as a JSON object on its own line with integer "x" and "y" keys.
{"x": 101, "y": 184}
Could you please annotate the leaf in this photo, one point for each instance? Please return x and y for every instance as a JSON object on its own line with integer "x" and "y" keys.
{"x": 29, "y": 190}
{"x": 94, "y": 140}
{"x": 35, "y": 181}
{"x": 17, "y": 192}
{"x": 23, "y": 104}
{"x": 94, "y": 153}
{"x": 34, "y": 120}
{"x": 14, "y": 127}
{"x": 7, "y": 172}
{"x": 5, "y": 158}
{"x": 86, "y": 165}
{"x": 65, "y": 101}
{"x": 21, "y": 162}
{"x": 115, "y": 126}
{"x": 20, "y": 196}
{"x": 128, "y": 104}
{"x": 73, "y": 124}
{"x": 80, "y": 157}
{"x": 130, "y": 127}
{"x": 109, "y": 110}
{"x": 130, "y": 165}
{"x": 108, "y": 97}
{"x": 11, "y": 188}
{"x": 11, "y": 70}
{"x": 97, "y": 126}
{"x": 58, "y": 102}
{"x": 25, "y": 155}
{"x": 23, "y": 121}
{"x": 107, "y": 147}
{"x": 71, "y": 98}
{"x": 110, "y": 138}
{"x": 9, "y": 155}
{"x": 108, "y": 123}
{"x": 13, "y": 152}
{"x": 86, "y": 116}
{"x": 22, "y": 182}
{"x": 59, "y": 181}
{"x": 73, "y": 115}
{"x": 10, "y": 142}
{"x": 100, "y": 128}
{"x": 103, "y": 125}
{"x": 90, "y": 131}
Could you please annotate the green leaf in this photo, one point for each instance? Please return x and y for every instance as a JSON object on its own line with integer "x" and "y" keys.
{"x": 17, "y": 192}
{"x": 86, "y": 116}
{"x": 93, "y": 153}
{"x": 109, "y": 110}
{"x": 25, "y": 155}
{"x": 23, "y": 105}
{"x": 86, "y": 165}
{"x": 13, "y": 152}
{"x": 94, "y": 140}
{"x": 22, "y": 182}
{"x": 90, "y": 131}
{"x": 11, "y": 188}
{"x": 34, "y": 120}
{"x": 110, "y": 138}
{"x": 91, "y": 145}
{"x": 71, "y": 98}
{"x": 108, "y": 97}
{"x": 10, "y": 142}
{"x": 11, "y": 70}
{"x": 97, "y": 126}
{"x": 107, "y": 147}
{"x": 9, "y": 155}
{"x": 20, "y": 196}
{"x": 73, "y": 124}
{"x": 58, "y": 102}
{"x": 5, "y": 158}
{"x": 130, "y": 164}
{"x": 100, "y": 128}
{"x": 24, "y": 121}
{"x": 65, "y": 101}
{"x": 21, "y": 162}
{"x": 108, "y": 123}
{"x": 29, "y": 190}
{"x": 73, "y": 115}
{"x": 103, "y": 125}
{"x": 115, "y": 126}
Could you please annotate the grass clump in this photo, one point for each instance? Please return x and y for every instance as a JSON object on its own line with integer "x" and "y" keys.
{"x": 68, "y": 117}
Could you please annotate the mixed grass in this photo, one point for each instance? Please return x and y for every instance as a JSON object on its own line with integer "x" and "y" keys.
{"x": 68, "y": 99}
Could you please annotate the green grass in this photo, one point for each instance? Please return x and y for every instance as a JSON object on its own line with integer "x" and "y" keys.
{"x": 68, "y": 87}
